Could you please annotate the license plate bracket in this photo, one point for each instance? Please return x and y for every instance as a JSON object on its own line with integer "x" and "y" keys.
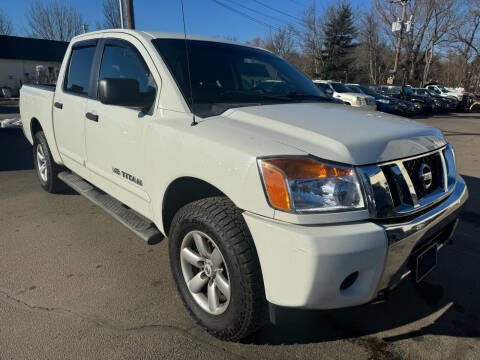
{"x": 426, "y": 261}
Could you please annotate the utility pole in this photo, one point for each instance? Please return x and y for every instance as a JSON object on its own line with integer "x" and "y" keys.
{"x": 120, "y": 10}
{"x": 129, "y": 14}
{"x": 400, "y": 36}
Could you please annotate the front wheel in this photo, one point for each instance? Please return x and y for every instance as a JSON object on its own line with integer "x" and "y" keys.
{"x": 216, "y": 268}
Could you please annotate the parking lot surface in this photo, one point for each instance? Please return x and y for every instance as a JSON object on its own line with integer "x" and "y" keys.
{"x": 75, "y": 284}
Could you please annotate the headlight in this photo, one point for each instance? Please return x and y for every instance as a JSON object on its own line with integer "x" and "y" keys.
{"x": 358, "y": 101}
{"x": 306, "y": 185}
{"x": 384, "y": 101}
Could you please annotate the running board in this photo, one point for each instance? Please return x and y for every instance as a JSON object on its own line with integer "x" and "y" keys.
{"x": 146, "y": 230}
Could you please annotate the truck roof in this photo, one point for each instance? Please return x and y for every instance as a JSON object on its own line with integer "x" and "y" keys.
{"x": 149, "y": 35}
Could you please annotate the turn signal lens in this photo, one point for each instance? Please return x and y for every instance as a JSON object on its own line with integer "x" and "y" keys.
{"x": 305, "y": 184}
{"x": 276, "y": 186}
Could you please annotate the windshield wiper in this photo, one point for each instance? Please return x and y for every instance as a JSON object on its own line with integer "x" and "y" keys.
{"x": 255, "y": 95}
{"x": 302, "y": 96}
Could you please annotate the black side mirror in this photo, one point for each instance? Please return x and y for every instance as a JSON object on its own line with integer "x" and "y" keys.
{"x": 124, "y": 92}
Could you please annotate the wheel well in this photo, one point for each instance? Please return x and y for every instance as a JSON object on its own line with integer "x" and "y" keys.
{"x": 181, "y": 192}
{"x": 35, "y": 126}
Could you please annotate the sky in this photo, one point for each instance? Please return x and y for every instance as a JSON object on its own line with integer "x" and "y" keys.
{"x": 203, "y": 17}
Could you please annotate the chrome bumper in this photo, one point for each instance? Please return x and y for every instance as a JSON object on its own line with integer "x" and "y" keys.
{"x": 402, "y": 238}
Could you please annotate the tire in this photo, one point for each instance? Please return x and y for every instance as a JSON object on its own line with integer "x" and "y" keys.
{"x": 46, "y": 168}
{"x": 221, "y": 225}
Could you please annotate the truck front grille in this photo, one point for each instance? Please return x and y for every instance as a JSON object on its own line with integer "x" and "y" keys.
{"x": 413, "y": 169}
{"x": 405, "y": 186}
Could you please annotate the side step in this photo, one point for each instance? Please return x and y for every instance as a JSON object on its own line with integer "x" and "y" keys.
{"x": 146, "y": 230}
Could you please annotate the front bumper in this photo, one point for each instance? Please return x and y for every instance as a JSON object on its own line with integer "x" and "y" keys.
{"x": 304, "y": 266}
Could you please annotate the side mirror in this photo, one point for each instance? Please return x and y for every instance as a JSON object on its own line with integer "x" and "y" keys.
{"x": 123, "y": 92}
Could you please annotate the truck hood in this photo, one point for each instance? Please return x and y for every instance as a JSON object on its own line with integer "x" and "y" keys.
{"x": 338, "y": 133}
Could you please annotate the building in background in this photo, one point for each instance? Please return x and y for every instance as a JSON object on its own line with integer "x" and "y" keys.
{"x": 27, "y": 60}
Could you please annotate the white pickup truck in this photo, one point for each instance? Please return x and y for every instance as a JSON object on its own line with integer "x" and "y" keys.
{"x": 268, "y": 194}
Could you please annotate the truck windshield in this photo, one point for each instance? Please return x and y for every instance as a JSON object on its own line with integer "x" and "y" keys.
{"x": 227, "y": 75}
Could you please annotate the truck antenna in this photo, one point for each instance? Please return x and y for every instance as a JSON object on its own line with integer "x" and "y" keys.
{"x": 194, "y": 122}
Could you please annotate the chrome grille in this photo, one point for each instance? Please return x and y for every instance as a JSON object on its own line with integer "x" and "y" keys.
{"x": 413, "y": 169}
{"x": 395, "y": 188}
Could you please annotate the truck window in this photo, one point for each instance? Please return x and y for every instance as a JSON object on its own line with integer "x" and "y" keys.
{"x": 126, "y": 63}
{"x": 78, "y": 75}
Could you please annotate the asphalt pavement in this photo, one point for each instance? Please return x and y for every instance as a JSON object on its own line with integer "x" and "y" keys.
{"x": 76, "y": 284}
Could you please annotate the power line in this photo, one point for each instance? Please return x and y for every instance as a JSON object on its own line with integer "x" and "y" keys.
{"x": 278, "y": 11}
{"x": 251, "y": 18}
{"x": 254, "y": 10}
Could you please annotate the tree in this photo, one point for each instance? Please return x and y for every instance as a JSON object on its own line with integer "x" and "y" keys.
{"x": 280, "y": 42}
{"x": 6, "y": 27}
{"x": 467, "y": 41}
{"x": 339, "y": 33}
{"x": 369, "y": 51}
{"x": 54, "y": 20}
{"x": 311, "y": 41}
{"x": 111, "y": 14}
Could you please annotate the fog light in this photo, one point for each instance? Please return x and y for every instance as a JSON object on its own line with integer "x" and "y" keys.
{"x": 349, "y": 280}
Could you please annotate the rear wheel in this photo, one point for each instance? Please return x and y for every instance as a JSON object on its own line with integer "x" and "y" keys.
{"x": 216, "y": 268}
{"x": 47, "y": 169}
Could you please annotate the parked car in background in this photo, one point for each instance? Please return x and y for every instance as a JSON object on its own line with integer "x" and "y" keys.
{"x": 442, "y": 91}
{"x": 446, "y": 103}
{"x": 437, "y": 103}
{"x": 384, "y": 103}
{"x": 324, "y": 88}
{"x": 422, "y": 104}
{"x": 340, "y": 91}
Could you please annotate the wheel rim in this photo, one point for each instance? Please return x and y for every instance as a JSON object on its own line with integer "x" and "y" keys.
{"x": 42, "y": 163}
{"x": 205, "y": 272}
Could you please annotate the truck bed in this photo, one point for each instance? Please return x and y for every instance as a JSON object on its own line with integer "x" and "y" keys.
{"x": 36, "y": 103}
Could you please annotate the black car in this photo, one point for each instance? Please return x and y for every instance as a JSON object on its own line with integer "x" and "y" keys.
{"x": 387, "y": 103}
{"x": 422, "y": 104}
{"x": 442, "y": 103}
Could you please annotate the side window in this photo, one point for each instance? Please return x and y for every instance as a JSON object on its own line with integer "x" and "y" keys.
{"x": 78, "y": 75}
{"x": 126, "y": 63}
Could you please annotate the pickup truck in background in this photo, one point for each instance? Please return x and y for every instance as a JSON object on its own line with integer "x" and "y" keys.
{"x": 269, "y": 194}
{"x": 337, "y": 90}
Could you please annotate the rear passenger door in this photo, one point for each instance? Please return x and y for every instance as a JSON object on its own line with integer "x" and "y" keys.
{"x": 69, "y": 105}
{"x": 115, "y": 138}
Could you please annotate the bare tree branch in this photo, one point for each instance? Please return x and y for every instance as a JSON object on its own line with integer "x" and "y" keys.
{"x": 54, "y": 20}
{"x": 111, "y": 14}
{"x": 6, "y": 27}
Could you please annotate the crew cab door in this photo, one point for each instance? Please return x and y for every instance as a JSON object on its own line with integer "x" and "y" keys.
{"x": 115, "y": 134}
{"x": 69, "y": 104}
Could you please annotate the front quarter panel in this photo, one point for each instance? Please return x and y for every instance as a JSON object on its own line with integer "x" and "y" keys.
{"x": 209, "y": 152}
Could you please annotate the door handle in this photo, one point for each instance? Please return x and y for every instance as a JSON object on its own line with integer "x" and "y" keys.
{"x": 58, "y": 105}
{"x": 91, "y": 116}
